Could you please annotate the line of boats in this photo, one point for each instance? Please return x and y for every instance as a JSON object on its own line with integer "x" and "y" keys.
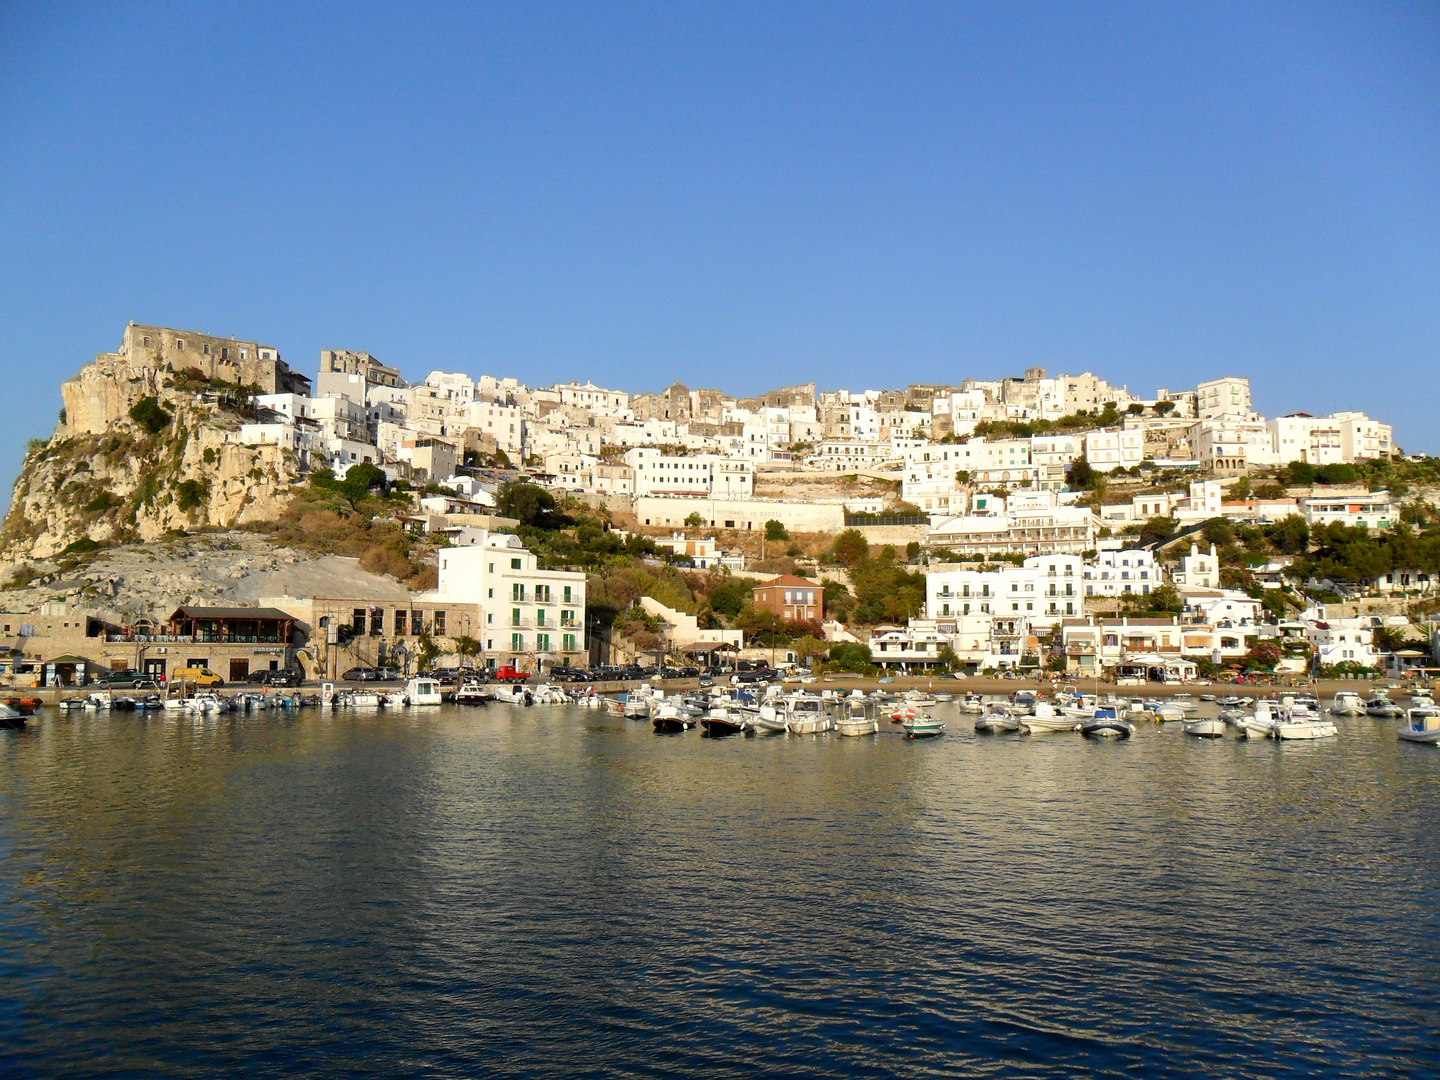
{"x": 719, "y": 712}
{"x": 736, "y": 710}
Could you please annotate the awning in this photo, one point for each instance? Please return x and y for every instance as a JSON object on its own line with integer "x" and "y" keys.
{"x": 705, "y": 648}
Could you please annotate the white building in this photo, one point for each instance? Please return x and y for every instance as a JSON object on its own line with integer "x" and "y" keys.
{"x": 1107, "y": 450}
{"x": 691, "y": 475}
{"x": 1199, "y": 568}
{"x": 525, "y": 612}
{"x": 1372, "y": 510}
{"x": 1038, "y": 530}
{"x": 1122, "y": 571}
{"x": 1227, "y": 397}
{"x": 1044, "y": 590}
{"x": 595, "y": 399}
{"x": 1343, "y": 641}
{"x": 1227, "y": 444}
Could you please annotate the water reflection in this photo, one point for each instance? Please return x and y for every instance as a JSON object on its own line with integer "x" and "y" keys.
{"x": 555, "y": 890}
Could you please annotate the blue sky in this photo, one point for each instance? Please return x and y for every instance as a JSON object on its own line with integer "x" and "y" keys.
{"x": 735, "y": 196}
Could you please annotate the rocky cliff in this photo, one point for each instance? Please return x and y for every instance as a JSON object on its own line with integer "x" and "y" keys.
{"x": 141, "y": 450}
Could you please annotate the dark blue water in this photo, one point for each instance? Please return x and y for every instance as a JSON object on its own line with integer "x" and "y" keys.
{"x": 554, "y": 892}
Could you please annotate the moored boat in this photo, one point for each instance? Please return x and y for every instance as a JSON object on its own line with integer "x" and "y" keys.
{"x": 923, "y": 726}
{"x": 996, "y": 720}
{"x": 1107, "y": 724}
{"x": 12, "y": 719}
{"x": 857, "y": 719}
{"x": 1422, "y": 725}
{"x": 1045, "y": 720}
{"x": 422, "y": 691}
{"x": 1348, "y": 703}
{"x": 1382, "y": 708}
{"x": 1204, "y": 727}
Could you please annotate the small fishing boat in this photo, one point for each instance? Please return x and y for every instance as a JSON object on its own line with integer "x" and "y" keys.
{"x": 972, "y": 702}
{"x": 422, "y": 691}
{"x": 1305, "y": 725}
{"x": 1348, "y": 703}
{"x": 1382, "y": 708}
{"x": 806, "y": 715}
{"x": 1207, "y": 697}
{"x": 472, "y": 692}
{"x": 1230, "y": 701}
{"x": 1422, "y": 725}
{"x": 996, "y": 720}
{"x": 1203, "y": 727}
{"x": 1107, "y": 724}
{"x": 901, "y": 713}
{"x": 363, "y": 699}
{"x": 923, "y": 726}
{"x": 857, "y": 719}
{"x": 670, "y": 720}
{"x": 12, "y": 719}
{"x": 1023, "y": 702}
{"x": 722, "y": 722}
{"x": 1046, "y": 720}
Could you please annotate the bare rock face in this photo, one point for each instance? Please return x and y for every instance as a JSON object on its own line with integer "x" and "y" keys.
{"x": 111, "y": 474}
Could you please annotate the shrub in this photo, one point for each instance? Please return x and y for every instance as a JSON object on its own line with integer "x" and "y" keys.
{"x": 102, "y": 502}
{"x": 190, "y": 494}
{"x": 150, "y": 416}
{"x": 775, "y": 530}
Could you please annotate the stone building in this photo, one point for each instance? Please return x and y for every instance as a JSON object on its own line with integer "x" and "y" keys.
{"x": 247, "y": 363}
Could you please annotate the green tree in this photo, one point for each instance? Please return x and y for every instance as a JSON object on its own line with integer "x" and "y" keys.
{"x": 1291, "y": 534}
{"x": 850, "y": 656}
{"x": 1156, "y": 529}
{"x": 730, "y": 596}
{"x": 775, "y": 530}
{"x": 1082, "y": 475}
{"x": 694, "y": 520}
{"x": 851, "y": 548}
{"x": 149, "y": 415}
{"x": 1164, "y": 408}
{"x": 527, "y": 503}
{"x": 467, "y": 646}
{"x": 1219, "y": 532}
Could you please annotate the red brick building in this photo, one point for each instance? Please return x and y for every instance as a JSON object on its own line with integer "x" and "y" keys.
{"x": 792, "y": 598}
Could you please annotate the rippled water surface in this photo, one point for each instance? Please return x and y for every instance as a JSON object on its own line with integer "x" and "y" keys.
{"x": 554, "y": 891}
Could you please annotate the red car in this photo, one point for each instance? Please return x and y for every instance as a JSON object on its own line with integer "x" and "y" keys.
{"x": 509, "y": 673}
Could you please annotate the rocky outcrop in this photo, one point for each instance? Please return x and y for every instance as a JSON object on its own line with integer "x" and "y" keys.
{"x": 105, "y": 476}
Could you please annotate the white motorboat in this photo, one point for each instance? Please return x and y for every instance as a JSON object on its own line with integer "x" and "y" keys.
{"x": 857, "y": 719}
{"x": 422, "y": 691}
{"x": 1257, "y": 725}
{"x": 670, "y": 719}
{"x": 393, "y": 699}
{"x": 806, "y": 715}
{"x": 640, "y": 703}
{"x": 1421, "y": 699}
{"x": 470, "y": 692}
{"x": 972, "y": 703}
{"x": 98, "y": 700}
{"x": 1106, "y": 723}
{"x": 1045, "y": 720}
{"x": 1304, "y": 724}
{"x": 1422, "y": 725}
{"x": 1382, "y": 708}
{"x": 1204, "y": 727}
{"x": 1348, "y": 703}
{"x": 1023, "y": 703}
{"x": 362, "y": 699}
{"x": 1185, "y": 702}
{"x": 996, "y": 720}
{"x": 918, "y": 699}
{"x": 1166, "y": 712}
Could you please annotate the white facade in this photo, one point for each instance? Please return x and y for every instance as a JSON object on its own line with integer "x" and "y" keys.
{"x": 1343, "y": 641}
{"x": 1227, "y": 397}
{"x": 1046, "y": 589}
{"x": 1107, "y": 451}
{"x": 692, "y": 475}
{"x": 1121, "y": 572}
{"x": 1199, "y": 568}
{"x": 1373, "y": 510}
{"x": 524, "y": 611}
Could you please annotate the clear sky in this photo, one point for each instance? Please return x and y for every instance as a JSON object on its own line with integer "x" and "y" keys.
{"x": 735, "y": 196}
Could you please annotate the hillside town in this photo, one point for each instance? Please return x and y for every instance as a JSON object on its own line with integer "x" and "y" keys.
{"x": 1025, "y": 524}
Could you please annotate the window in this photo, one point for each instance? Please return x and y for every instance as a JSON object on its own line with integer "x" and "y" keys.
{"x": 357, "y": 620}
{"x": 180, "y": 343}
{"x": 542, "y": 642}
{"x": 417, "y": 622}
{"x": 515, "y": 616}
{"x": 567, "y": 642}
{"x": 540, "y": 617}
{"x": 400, "y": 622}
{"x": 517, "y": 591}
{"x": 566, "y": 594}
{"x": 224, "y": 353}
{"x": 517, "y": 642}
{"x": 440, "y": 622}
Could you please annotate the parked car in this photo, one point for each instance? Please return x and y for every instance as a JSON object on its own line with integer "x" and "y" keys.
{"x": 361, "y": 674}
{"x": 121, "y": 680}
{"x": 277, "y": 677}
{"x": 689, "y": 672}
{"x": 387, "y": 673}
{"x": 201, "y": 676}
{"x": 561, "y": 673}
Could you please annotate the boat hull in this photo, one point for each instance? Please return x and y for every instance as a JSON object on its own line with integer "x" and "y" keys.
{"x": 996, "y": 725}
{"x": 1428, "y": 738}
{"x": 1305, "y": 729}
{"x": 1037, "y": 725}
{"x": 856, "y": 727}
{"x": 1107, "y": 729}
{"x": 1205, "y": 728}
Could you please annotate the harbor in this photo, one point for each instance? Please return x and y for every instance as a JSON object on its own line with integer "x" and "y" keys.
{"x": 275, "y": 885}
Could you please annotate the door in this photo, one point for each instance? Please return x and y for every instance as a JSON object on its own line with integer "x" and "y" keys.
{"x": 155, "y": 668}
{"x": 239, "y": 670}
